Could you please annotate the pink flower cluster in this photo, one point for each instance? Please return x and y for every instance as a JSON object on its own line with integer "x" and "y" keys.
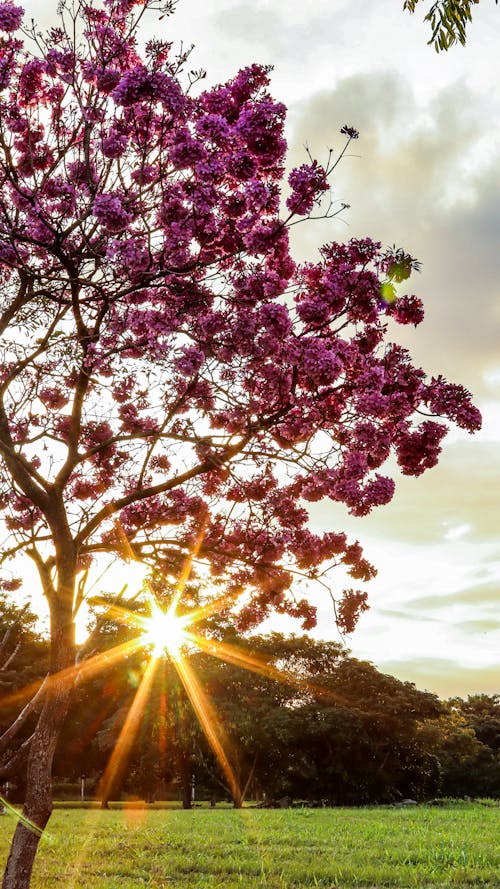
{"x": 450, "y": 400}
{"x": 407, "y": 310}
{"x": 10, "y": 16}
{"x": 190, "y": 362}
{"x": 420, "y": 450}
{"x": 307, "y": 182}
{"x": 53, "y": 398}
{"x": 142, "y": 85}
{"x": 351, "y": 605}
{"x": 111, "y": 212}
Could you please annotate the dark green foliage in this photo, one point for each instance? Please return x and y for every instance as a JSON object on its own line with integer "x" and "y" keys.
{"x": 470, "y": 748}
{"x": 482, "y": 713}
{"x": 348, "y": 734}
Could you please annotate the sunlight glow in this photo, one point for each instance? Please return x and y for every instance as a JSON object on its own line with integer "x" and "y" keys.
{"x": 165, "y": 631}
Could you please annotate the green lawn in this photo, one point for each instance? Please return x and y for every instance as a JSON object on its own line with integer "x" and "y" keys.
{"x": 365, "y": 848}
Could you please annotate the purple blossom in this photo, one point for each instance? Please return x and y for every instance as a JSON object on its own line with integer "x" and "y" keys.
{"x": 276, "y": 318}
{"x": 111, "y": 213}
{"x": 407, "y": 310}
{"x": 352, "y": 132}
{"x": 242, "y": 166}
{"x": 213, "y": 128}
{"x": 189, "y": 363}
{"x": 321, "y": 365}
{"x": 453, "y": 401}
{"x": 52, "y": 397}
{"x": 132, "y": 254}
{"x": 141, "y": 85}
{"x": 419, "y": 450}
{"x": 380, "y": 490}
{"x": 186, "y": 151}
{"x": 10, "y": 16}
{"x": 31, "y": 81}
{"x": 121, "y": 7}
{"x": 260, "y": 126}
{"x": 107, "y": 80}
{"x": 145, "y": 174}
{"x": 307, "y": 182}
{"x": 114, "y": 144}
{"x": 80, "y": 172}
{"x": 9, "y": 255}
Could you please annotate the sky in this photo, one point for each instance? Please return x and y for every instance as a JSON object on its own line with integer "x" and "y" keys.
{"x": 424, "y": 175}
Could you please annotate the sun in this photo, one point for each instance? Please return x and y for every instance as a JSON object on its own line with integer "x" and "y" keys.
{"x": 165, "y": 631}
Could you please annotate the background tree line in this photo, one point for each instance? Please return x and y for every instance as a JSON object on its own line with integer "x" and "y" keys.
{"x": 335, "y": 730}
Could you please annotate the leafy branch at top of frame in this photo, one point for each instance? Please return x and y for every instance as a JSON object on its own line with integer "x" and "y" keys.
{"x": 448, "y": 20}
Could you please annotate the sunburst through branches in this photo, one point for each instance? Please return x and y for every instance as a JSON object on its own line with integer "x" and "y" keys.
{"x": 173, "y": 633}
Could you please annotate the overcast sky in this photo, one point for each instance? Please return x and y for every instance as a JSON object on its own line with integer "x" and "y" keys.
{"x": 425, "y": 175}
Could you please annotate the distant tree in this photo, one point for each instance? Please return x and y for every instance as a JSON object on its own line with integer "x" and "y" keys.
{"x": 469, "y": 747}
{"x": 307, "y": 720}
{"x": 330, "y": 727}
{"x": 168, "y": 372}
{"x": 467, "y": 767}
{"x": 482, "y": 714}
{"x": 448, "y": 20}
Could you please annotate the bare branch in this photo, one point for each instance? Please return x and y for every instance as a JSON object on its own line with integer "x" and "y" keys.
{"x": 31, "y": 707}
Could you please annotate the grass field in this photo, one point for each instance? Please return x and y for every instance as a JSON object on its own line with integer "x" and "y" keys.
{"x": 455, "y": 846}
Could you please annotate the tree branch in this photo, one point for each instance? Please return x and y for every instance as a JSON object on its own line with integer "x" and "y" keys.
{"x": 18, "y": 723}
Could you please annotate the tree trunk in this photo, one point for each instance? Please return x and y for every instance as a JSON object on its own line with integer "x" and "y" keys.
{"x": 38, "y": 803}
{"x": 186, "y": 795}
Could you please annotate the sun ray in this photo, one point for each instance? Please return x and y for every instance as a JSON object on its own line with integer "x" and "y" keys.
{"x": 215, "y": 606}
{"x": 209, "y": 721}
{"x": 121, "y": 751}
{"x": 188, "y": 565}
{"x": 162, "y": 728}
{"x": 81, "y": 672}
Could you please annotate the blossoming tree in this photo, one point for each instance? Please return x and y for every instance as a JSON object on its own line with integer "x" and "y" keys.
{"x": 165, "y": 364}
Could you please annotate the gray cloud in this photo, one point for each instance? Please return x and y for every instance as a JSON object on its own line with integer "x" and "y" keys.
{"x": 481, "y": 626}
{"x": 265, "y": 28}
{"x": 446, "y": 678}
{"x": 416, "y": 184}
{"x": 400, "y": 614}
{"x": 487, "y": 594}
{"x": 295, "y": 34}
